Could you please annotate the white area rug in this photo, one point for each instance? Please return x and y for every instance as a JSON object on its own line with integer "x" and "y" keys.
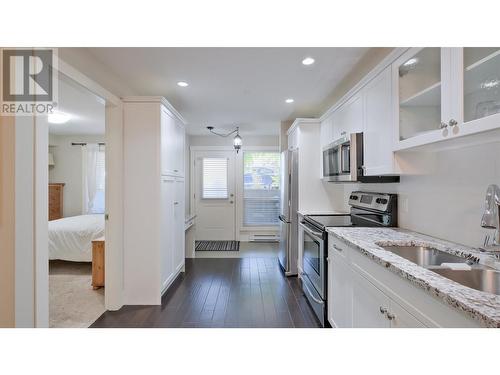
{"x": 73, "y": 303}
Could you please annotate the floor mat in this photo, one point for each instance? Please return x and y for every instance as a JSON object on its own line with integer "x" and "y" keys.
{"x": 217, "y": 246}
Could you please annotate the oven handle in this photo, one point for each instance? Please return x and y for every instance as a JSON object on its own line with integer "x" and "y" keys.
{"x": 319, "y": 235}
{"x": 320, "y": 302}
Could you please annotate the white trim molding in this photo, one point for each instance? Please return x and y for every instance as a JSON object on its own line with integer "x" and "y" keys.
{"x": 155, "y": 99}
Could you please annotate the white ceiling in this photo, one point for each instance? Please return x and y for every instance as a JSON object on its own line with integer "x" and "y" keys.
{"x": 234, "y": 86}
{"x": 87, "y": 110}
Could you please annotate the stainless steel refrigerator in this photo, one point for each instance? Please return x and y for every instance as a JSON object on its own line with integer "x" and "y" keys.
{"x": 288, "y": 249}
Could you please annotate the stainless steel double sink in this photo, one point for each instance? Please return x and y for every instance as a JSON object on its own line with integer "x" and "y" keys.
{"x": 479, "y": 277}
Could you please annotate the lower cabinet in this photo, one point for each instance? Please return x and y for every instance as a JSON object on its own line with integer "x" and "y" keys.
{"x": 355, "y": 302}
{"x": 171, "y": 229}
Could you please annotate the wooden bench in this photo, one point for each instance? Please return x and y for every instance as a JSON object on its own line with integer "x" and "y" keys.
{"x": 98, "y": 263}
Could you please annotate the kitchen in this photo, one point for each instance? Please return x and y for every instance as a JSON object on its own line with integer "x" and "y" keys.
{"x": 401, "y": 149}
{"x": 285, "y": 182}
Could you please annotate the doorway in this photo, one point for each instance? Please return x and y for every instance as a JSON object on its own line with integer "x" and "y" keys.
{"x": 214, "y": 195}
{"x": 77, "y": 190}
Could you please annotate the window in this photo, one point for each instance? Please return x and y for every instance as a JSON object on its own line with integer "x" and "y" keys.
{"x": 215, "y": 178}
{"x": 98, "y": 205}
{"x": 94, "y": 179}
{"x": 261, "y": 188}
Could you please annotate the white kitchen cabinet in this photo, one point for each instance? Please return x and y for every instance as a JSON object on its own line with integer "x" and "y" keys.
{"x": 400, "y": 318}
{"x": 445, "y": 93}
{"x": 369, "y": 304}
{"x": 378, "y": 125}
{"x": 363, "y": 293}
{"x": 475, "y": 94}
{"x": 339, "y": 292}
{"x": 326, "y": 135}
{"x": 349, "y": 117}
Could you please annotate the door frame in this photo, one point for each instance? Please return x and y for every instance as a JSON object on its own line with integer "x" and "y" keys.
{"x": 238, "y": 188}
{"x": 38, "y": 293}
{"x": 192, "y": 180}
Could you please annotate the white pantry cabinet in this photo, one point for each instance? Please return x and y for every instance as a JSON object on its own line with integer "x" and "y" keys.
{"x": 154, "y": 208}
{"x": 172, "y": 145}
{"x": 364, "y": 294}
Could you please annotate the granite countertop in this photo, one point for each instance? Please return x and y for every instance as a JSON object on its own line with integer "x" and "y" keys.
{"x": 319, "y": 212}
{"x": 481, "y": 306}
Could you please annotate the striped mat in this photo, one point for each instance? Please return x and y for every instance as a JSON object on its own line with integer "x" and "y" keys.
{"x": 217, "y": 246}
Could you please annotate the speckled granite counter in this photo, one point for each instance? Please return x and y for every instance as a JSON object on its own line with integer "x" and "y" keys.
{"x": 481, "y": 306}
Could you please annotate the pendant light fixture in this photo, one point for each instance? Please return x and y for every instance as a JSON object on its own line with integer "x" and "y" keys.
{"x": 237, "y": 140}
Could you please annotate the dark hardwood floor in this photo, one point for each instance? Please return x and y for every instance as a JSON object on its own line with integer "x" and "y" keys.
{"x": 230, "y": 292}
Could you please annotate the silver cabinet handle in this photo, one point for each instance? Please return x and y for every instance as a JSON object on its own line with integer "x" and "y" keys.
{"x": 443, "y": 125}
{"x": 175, "y": 170}
{"x": 390, "y": 316}
{"x": 327, "y": 260}
{"x": 383, "y": 310}
{"x": 337, "y": 248}
{"x": 175, "y": 203}
{"x": 453, "y": 122}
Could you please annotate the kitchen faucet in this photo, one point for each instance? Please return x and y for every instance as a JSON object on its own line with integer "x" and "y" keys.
{"x": 491, "y": 217}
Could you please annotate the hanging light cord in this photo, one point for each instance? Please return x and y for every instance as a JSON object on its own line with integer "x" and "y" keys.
{"x": 211, "y": 130}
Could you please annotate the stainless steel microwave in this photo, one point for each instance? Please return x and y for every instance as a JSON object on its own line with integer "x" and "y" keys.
{"x": 343, "y": 159}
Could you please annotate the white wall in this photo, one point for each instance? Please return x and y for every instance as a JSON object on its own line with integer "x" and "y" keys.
{"x": 68, "y": 168}
{"x": 213, "y": 140}
{"x": 446, "y": 202}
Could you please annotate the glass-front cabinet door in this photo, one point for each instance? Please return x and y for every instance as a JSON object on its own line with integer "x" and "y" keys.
{"x": 480, "y": 76}
{"x": 421, "y": 81}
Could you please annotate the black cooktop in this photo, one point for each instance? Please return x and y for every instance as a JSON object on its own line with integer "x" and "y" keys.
{"x": 323, "y": 221}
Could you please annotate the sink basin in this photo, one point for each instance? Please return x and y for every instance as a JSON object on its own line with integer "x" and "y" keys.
{"x": 483, "y": 279}
{"x": 425, "y": 256}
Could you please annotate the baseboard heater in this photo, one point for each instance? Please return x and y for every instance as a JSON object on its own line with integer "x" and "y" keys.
{"x": 264, "y": 238}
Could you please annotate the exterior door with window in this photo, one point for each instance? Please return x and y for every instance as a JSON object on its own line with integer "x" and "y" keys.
{"x": 214, "y": 195}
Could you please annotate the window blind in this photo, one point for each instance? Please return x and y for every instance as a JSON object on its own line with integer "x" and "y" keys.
{"x": 215, "y": 178}
{"x": 261, "y": 188}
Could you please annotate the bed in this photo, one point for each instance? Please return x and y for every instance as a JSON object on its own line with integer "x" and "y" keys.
{"x": 70, "y": 238}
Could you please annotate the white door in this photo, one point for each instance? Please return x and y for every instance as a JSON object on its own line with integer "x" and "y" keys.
{"x": 379, "y": 127}
{"x": 369, "y": 304}
{"x": 339, "y": 292}
{"x": 214, "y": 195}
{"x": 167, "y": 229}
{"x": 168, "y": 143}
{"x": 179, "y": 219}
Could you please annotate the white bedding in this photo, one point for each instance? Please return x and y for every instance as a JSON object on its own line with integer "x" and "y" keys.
{"x": 71, "y": 238}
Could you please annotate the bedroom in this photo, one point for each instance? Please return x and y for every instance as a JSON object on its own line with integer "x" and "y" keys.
{"x": 76, "y": 207}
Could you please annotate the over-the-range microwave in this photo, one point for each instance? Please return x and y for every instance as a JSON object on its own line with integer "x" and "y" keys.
{"x": 343, "y": 161}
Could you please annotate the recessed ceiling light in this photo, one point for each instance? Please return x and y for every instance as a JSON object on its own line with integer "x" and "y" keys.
{"x": 182, "y": 84}
{"x": 308, "y": 61}
{"x": 58, "y": 117}
{"x": 290, "y": 100}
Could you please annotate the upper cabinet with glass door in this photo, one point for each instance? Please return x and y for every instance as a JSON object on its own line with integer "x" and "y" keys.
{"x": 445, "y": 93}
{"x": 477, "y": 99}
{"x": 421, "y": 80}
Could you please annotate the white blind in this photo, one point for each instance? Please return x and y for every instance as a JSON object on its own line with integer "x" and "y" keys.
{"x": 261, "y": 191}
{"x": 215, "y": 178}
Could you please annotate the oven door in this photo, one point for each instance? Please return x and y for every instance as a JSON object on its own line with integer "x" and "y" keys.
{"x": 313, "y": 258}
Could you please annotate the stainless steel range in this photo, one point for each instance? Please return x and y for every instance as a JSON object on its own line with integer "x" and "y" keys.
{"x": 367, "y": 210}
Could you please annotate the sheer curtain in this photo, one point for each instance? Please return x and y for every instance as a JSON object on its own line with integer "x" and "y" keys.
{"x": 91, "y": 176}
